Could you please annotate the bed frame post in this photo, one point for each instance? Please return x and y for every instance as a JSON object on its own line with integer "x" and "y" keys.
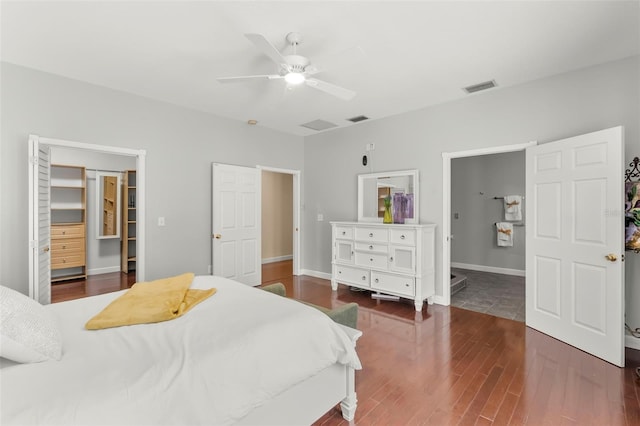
{"x": 350, "y": 402}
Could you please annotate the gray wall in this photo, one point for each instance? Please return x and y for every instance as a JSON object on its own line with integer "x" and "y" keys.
{"x": 103, "y": 255}
{"x": 181, "y": 144}
{"x": 474, "y": 183}
{"x": 544, "y": 110}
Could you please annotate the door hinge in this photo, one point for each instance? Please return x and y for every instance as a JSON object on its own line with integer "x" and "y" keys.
{"x": 33, "y": 160}
{"x": 622, "y": 258}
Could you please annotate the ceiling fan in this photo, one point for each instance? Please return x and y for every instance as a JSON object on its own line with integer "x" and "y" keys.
{"x": 294, "y": 69}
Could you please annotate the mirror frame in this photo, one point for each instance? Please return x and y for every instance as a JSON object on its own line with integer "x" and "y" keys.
{"x": 416, "y": 194}
{"x": 99, "y": 195}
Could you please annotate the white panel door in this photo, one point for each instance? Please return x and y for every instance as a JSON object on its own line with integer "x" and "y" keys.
{"x": 575, "y": 242}
{"x": 40, "y": 222}
{"x": 236, "y": 221}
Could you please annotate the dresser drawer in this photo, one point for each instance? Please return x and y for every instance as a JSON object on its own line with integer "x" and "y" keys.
{"x": 67, "y": 261}
{"x": 394, "y": 284}
{"x": 344, "y": 232}
{"x": 403, "y": 236}
{"x": 359, "y": 277}
{"x": 379, "y": 235}
{"x": 67, "y": 231}
{"x": 67, "y": 245}
{"x": 371, "y": 260}
{"x": 372, "y": 247}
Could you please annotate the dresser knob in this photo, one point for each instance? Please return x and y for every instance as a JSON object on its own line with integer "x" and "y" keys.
{"x": 402, "y": 237}
{"x": 371, "y": 234}
{"x": 364, "y": 278}
{"x": 391, "y": 259}
{"x": 406, "y": 285}
{"x": 377, "y": 280}
{"x": 344, "y": 232}
{"x": 370, "y": 247}
{"x": 371, "y": 259}
{"x": 64, "y": 247}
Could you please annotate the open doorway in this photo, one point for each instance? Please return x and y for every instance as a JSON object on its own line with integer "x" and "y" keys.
{"x": 488, "y": 234}
{"x": 280, "y": 224}
{"x": 489, "y": 225}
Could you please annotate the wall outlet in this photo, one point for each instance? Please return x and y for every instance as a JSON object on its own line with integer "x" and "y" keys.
{"x": 161, "y": 221}
{"x": 371, "y": 147}
{"x": 320, "y": 217}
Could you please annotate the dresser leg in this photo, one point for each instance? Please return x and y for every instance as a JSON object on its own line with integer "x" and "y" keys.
{"x": 418, "y": 304}
{"x": 334, "y": 285}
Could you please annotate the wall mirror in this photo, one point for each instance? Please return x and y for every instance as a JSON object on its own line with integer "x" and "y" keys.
{"x": 108, "y": 205}
{"x": 402, "y": 185}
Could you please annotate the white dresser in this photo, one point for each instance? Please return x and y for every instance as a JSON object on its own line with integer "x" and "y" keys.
{"x": 390, "y": 259}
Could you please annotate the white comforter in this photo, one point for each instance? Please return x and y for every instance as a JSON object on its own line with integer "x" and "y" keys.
{"x": 228, "y": 355}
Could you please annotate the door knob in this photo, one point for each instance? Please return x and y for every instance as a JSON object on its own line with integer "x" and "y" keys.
{"x": 611, "y": 257}
{"x": 46, "y": 249}
{"x": 217, "y": 236}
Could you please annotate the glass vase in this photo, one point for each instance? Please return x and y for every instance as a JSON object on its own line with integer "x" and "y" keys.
{"x": 387, "y": 218}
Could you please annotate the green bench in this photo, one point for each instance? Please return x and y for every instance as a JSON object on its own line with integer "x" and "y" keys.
{"x": 346, "y": 314}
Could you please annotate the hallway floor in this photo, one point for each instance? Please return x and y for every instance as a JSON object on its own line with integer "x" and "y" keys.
{"x": 494, "y": 294}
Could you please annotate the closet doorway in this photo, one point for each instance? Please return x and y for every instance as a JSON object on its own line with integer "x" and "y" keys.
{"x": 280, "y": 223}
{"x": 59, "y": 194}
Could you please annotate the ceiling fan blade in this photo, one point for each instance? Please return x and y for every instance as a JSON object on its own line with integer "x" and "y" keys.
{"x": 331, "y": 89}
{"x": 267, "y": 48}
{"x": 241, "y": 79}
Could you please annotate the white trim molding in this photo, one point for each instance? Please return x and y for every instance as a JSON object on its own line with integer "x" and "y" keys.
{"x": 316, "y": 274}
{"x": 631, "y": 342}
{"x": 105, "y": 270}
{"x": 492, "y": 269}
{"x": 277, "y": 259}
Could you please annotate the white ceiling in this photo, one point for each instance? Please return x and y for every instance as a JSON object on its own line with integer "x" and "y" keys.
{"x": 417, "y": 53}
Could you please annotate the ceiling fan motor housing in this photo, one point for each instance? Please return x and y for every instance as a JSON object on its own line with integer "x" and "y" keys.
{"x": 296, "y": 63}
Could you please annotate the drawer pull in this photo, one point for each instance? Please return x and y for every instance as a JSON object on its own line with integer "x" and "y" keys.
{"x": 371, "y": 234}
{"x": 364, "y": 278}
{"x": 64, "y": 247}
{"x": 64, "y": 260}
{"x": 377, "y": 280}
{"x": 370, "y": 247}
{"x": 64, "y": 232}
{"x": 402, "y": 237}
{"x": 406, "y": 285}
{"x": 344, "y": 232}
{"x": 371, "y": 259}
{"x": 391, "y": 259}
{"x": 339, "y": 272}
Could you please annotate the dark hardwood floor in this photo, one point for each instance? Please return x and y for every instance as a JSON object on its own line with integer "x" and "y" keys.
{"x": 448, "y": 365}
{"x": 93, "y": 285}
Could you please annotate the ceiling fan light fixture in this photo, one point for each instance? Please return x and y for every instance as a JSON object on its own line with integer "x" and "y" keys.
{"x": 294, "y": 78}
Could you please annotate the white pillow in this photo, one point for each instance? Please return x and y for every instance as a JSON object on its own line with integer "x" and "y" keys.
{"x": 28, "y": 332}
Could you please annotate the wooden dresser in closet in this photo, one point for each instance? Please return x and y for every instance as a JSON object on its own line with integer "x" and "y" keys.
{"x": 68, "y": 222}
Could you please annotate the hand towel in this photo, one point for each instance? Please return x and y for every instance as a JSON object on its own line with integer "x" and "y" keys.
{"x": 149, "y": 302}
{"x": 505, "y": 234}
{"x": 513, "y": 208}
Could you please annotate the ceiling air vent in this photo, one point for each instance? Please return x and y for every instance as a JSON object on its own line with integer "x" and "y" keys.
{"x": 358, "y": 118}
{"x": 480, "y": 86}
{"x": 319, "y": 125}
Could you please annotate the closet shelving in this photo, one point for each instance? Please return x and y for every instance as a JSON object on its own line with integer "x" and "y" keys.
{"x": 68, "y": 222}
{"x": 129, "y": 215}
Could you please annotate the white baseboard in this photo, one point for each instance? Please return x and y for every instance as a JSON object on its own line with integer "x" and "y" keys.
{"x": 107, "y": 270}
{"x": 439, "y": 300}
{"x": 277, "y": 259}
{"x": 631, "y": 342}
{"x": 492, "y": 269}
{"x": 316, "y": 274}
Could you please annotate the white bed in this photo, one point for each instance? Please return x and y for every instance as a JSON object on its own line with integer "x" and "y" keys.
{"x": 241, "y": 356}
